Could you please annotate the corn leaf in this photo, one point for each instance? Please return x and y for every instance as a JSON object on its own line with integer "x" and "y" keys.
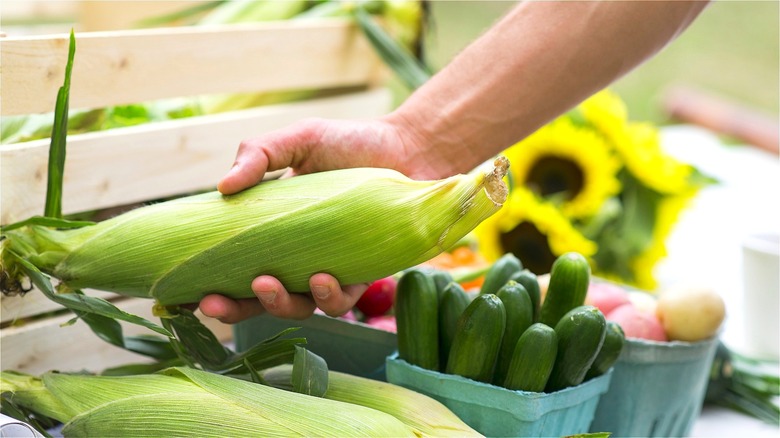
{"x": 53, "y": 207}
{"x": 183, "y": 14}
{"x": 80, "y": 303}
{"x": 408, "y": 68}
{"x": 135, "y": 369}
{"x": 47, "y": 222}
{"x": 151, "y": 346}
{"x": 266, "y": 354}
{"x": 309, "y": 373}
{"x": 198, "y": 342}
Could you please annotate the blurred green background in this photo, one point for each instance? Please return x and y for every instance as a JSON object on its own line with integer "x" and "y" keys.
{"x": 731, "y": 50}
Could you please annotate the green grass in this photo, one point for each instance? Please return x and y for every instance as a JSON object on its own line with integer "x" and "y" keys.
{"x": 731, "y": 50}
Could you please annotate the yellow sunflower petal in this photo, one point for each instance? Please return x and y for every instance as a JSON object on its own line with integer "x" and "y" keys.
{"x": 605, "y": 110}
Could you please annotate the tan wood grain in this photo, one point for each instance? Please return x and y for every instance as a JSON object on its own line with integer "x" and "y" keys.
{"x": 131, "y": 66}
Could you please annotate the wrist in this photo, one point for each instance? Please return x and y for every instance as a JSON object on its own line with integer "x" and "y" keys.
{"x": 433, "y": 148}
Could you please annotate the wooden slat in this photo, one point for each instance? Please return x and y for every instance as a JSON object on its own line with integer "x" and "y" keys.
{"x": 30, "y": 11}
{"x": 44, "y": 345}
{"x": 147, "y": 162}
{"x": 120, "y": 67}
{"x": 125, "y": 14}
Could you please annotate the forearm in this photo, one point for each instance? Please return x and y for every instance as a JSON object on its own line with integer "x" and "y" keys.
{"x": 537, "y": 62}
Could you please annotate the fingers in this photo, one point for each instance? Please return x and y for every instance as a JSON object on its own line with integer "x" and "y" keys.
{"x": 278, "y": 302}
{"x": 249, "y": 168}
{"x": 331, "y": 298}
{"x": 272, "y": 151}
{"x": 228, "y": 310}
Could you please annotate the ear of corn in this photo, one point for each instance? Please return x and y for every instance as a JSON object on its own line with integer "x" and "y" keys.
{"x": 190, "y": 402}
{"x": 426, "y": 416}
{"x": 355, "y": 224}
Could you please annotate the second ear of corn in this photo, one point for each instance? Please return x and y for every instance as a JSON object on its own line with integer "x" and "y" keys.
{"x": 355, "y": 224}
{"x": 189, "y": 402}
{"x": 426, "y": 416}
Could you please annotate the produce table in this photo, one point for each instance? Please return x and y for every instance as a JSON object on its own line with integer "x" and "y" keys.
{"x": 705, "y": 245}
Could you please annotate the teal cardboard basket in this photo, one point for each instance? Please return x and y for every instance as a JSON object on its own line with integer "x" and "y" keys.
{"x": 496, "y": 412}
{"x": 657, "y": 389}
{"x": 347, "y": 346}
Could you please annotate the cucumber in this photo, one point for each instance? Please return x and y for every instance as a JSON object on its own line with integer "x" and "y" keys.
{"x": 452, "y": 303}
{"x": 417, "y": 319}
{"x": 441, "y": 279}
{"x": 569, "y": 280}
{"x": 519, "y": 316}
{"x": 500, "y": 272}
{"x": 610, "y": 351}
{"x": 580, "y": 334}
{"x": 478, "y": 339}
{"x": 533, "y": 359}
{"x": 531, "y": 284}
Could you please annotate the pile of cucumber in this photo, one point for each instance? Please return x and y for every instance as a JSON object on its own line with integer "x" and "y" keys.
{"x": 505, "y": 334}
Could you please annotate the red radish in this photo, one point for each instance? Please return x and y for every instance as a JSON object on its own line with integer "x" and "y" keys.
{"x": 382, "y": 322}
{"x": 378, "y": 299}
{"x": 606, "y": 297}
{"x": 638, "y": 324}
{"x": 349, "y": 316}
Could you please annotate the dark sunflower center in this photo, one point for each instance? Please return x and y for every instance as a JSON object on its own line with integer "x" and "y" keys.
{"x": 551, "y": 175}
{"x": 530, "y": 245}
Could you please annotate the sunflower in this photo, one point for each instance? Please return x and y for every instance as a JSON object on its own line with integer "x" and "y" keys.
{"x": 566, "y": 163}
{"x": 533, "y": 230}
{"x": 638, "y": 144}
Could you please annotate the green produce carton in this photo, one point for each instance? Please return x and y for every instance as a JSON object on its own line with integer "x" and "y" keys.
{"x": 347, "y": 346}
{"x": 657, "y": 389}
{"x": 496, "y": 411}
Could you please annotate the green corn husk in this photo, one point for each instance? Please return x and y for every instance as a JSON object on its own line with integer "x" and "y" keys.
{"x": 189, "y": 402}
{"x": 355, "y": 224}
{"x": 426, "y": 416}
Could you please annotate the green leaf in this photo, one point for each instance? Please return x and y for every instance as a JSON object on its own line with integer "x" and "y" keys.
{"x": 266, "y": 354}
{"x": 186, "y": 13}
{"x": 59, "y": 133}
{"x": 310, "y": 373}
{"x": 200, "y": 344}
{"x": 141, "y": 368}
{"x": 408, "y": 68}
{"x": 152, "y": 346}
{"x": 47, "y": 222}
{"x": 78, "y": 302}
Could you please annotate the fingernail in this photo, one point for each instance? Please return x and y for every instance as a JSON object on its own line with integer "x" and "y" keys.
{"x": 321, "y": 292}
{"x": 267, "y": 296}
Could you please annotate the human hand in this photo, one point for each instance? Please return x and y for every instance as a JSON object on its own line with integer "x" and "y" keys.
{"x": 308, "y": 146}
{"x": 272, "y": 297}
{"x": 315, "y": 145}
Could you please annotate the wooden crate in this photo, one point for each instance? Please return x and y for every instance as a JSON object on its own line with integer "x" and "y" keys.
{"x": 136, "y": 164}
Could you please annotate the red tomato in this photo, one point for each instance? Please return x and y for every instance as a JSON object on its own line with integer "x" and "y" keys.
{"x": 378, "y": 299}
